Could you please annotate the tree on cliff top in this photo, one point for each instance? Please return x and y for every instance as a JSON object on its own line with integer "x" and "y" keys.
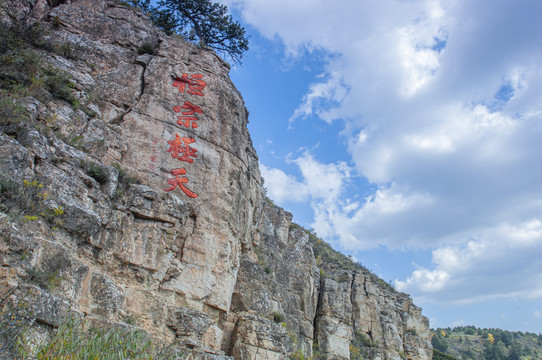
{"x": 199, "y": 21}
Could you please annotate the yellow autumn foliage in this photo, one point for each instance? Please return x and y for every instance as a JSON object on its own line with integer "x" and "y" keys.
{"x": 490, "y": 338}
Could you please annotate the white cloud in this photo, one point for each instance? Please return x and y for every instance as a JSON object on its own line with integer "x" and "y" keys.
{"x": 324, "y": 181}
{"x": 282, "y": 187}
{"x": 484, "y": 268}
{"x": 321, "y": 98}
{"x": 442, "y": 112}
{"x": 320, "y": 182}
{"x": 537, "y": 314}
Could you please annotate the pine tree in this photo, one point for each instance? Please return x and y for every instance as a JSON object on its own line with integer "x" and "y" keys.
{"x": 199, "y": 21}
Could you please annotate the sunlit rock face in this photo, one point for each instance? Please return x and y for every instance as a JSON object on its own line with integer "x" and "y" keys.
{"x": 329, "y": 311}
{"x": 163, "y": 224}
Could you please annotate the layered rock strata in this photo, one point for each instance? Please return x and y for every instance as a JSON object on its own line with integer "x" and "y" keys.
{"x": 221, "y": 274}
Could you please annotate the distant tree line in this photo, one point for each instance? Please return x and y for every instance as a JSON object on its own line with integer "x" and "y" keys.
{"x": 469, "y": 342}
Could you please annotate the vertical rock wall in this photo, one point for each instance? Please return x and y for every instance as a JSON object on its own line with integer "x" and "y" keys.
{"x": 219, "y": 275}
{"x": 327, "y": 311}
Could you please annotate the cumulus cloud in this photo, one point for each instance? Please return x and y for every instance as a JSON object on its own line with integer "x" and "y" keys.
{"x": 321, "y": 99}
{"x": 281, "y": 186}
{"x": 490, "y": 264}
{"x": 442, "y": 113}
{"x": 320, "y": 182}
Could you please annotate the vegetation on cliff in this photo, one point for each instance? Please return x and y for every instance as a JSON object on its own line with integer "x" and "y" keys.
{"x": 24, "y": 73}
{"x": 470, "y": 343}
{"x": 199, "y": 21}
{"x": 73, "y": 239}
{"x": 74, "y": 339}
{"x": 26, "y": 76}
{"x": 326, "y": 257}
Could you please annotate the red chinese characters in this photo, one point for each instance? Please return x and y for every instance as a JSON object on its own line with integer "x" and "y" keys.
{"x": 180, "y": 181}
{"x": 195, "y": 84}
{"x": 188, "y": 120}
{"x": 180, "y": 149}
{"x": 190, "y": 108}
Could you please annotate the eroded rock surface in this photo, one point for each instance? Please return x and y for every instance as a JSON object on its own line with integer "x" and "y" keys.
{"x": 329, "y": 311}
{"x": 222, "y": 275}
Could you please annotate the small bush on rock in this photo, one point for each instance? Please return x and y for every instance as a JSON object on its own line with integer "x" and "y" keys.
{"x": 147, "y": 48}
{"x": 277, "y": 317}
{"x": 71, "y": 341}
{"x": 97, "y": 172}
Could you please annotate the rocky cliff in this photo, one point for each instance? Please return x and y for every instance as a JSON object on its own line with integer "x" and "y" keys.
{"x": 131, "y": 196}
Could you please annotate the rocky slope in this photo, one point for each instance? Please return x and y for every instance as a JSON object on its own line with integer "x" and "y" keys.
{"x": 135, "y": 199}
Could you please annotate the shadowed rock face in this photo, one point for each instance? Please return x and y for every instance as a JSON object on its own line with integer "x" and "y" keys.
{"x": 222, "y": 274}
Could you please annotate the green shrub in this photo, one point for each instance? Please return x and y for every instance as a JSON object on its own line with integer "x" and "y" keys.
{"x": 7, "y": 189}
{"x": 362, "y": 340}
{"x": 355, "y": 353}
{"x": 326, "y": 257}
{"x": 12, "y": 114}
{"x": 99, "y": 173}
{"x": 15, "y": 317}
{"x": 28, "y": 202}
{"x": 323, "y": 274}
{"x": 277, "y": 317}
{"x": 56, "y": 21}
{"x": 298, "y": 355}
{"x": 71, "y": 341}
{"x": 18, "y": 69}
{"x": 21, "y": 67}
{"x": 75, "y": 141}
{"x": 66, "y": 50}
{"x": 57, "y": 82}
{"x": 124, "y": 178}
{"x": 124, "y": 182}
{"x": 438, "y": 355}
{"x": 93, "y": 94}
{"x": 33, "y": 195}
{"x": 20, "y": 63}
{"x": 147, "y": 48}
{"x": 267, "y": 200}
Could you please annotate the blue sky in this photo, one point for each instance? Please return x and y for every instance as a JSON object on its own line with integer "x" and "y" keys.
{"x": 408, "y": 134}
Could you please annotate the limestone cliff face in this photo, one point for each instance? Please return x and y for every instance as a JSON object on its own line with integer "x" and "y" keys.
{"x": 328, "y": 311}
{"x": 195, "y": 256}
